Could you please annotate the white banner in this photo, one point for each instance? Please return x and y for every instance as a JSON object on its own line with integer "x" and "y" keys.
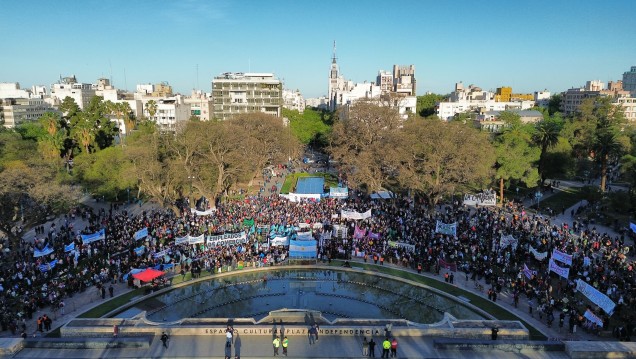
{"x": 304, "y": 236}
{"x": 593, "y": 318}
{"x": 450, "y": 229}
{"x": 355, "y": 215}
{"x": 203, "y": 213}
{"x": 196, "y": 240}
{"x": 563, "y": 272}
{"x": 226, "y": 239}
{"x": 279, "y": 241}
{"x": 508, "y": 240}
{"x": 181, "y": 240}
{"x": 487, "y": 198}
{"x": 562, "y": 257}
{"x": 408, "y": 247}
{"x": 595, "y": 296}
{"x": 538, "y": 255}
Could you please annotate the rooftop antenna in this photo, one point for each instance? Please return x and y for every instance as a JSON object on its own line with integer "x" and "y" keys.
{"x": 125, "y": 81}
{"x": 333, "y": 59}
{"x": 198, "y": 77}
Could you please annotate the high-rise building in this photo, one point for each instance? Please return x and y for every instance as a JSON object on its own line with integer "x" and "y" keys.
{"x": 404, "y": 80}
{"x": 69, "y": 87}
{"x": 237, "y": 93}
{"x": 629, "y": 81}
{"x": 14, "y": 111}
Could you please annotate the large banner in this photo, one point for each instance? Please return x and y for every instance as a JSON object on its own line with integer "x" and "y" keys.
{"x": 41, "y": 253}
{"x": 279, "y": 241}
{"x": 203, "y": 213}
{"x": 48, "y": 266}
{"x": 140, "y": 250}
{"x": 304, "y": 236}
{"x": 141, "y": 234}
{"x": 563, "y": 272}
{"x": 196, "y": 240}
{"x": 338, "y": 192}
{"x": 355, "y": 215}
{"x": 409, "y": 247}
{"x": 226, "y": 239}
{"x": 508, "y": 240}
{"x": 69, "y": 248}
{"x": 181, "y": 240}
{"x": 488, "y": 198}
{"x": 340, "y": 231}
{"x": 302, "y": 249}
{"x": 94, "y": 237}
{"x": 595, "y": 296}
{"x": 562, "y": 257}
{"x": 450, "y": 229}
{"x": 538, "y": 255}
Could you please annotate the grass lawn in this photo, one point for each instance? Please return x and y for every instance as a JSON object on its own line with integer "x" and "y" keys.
{"x": 290, "y": 180}
{"x": 480, "y": 302}
{"x": 112, "y": 304}
{"x": 562, "y": 198}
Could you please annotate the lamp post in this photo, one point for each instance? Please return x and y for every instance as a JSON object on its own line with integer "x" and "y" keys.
{"x": 191, "y": 178}
{"x": 538, "y": 196}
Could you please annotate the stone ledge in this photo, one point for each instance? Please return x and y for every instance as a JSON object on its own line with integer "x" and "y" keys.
{"x": 587, "y": 350}
{"x": 9, "y": 346}
{"x": 88, "y": 343}
{"x": 505, "y": 345}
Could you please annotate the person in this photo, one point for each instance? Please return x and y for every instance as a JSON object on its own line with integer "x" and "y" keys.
{"x": 23, "y": 334}
{"x": 164, "y": 339}
{"x": 111, "y": 290}
{"x": 365, "y": 347}
{"x": 372, "y": 348}
{"x": 386, "y": 346}
{"x": 394, "y": 344}
{"x": 276, "y": 344}
{"x": 115, "y": 330}
{"x": 285, "y": 344}
{"x": 103, "y": 292}
{"x": 313, "y": 334}
{"x": 494, "y": 332}
{"x": 229, "y": 332}
{"x": 387, "y": 330}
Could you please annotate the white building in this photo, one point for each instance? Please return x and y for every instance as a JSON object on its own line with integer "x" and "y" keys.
{"x": 200, "y": 104}
{"x": 239, "y": 93}
{"x": 474, "y": 99}
{"x": 628, "y": 104}
{"x": 14, "y": 111}
{"x": 489, "y": 120}
{"x": 169, "y": 112}
{"x": 69, "y": 87}
{"x": 321, "y": 102}
{"x": 542, "y": 98}
{"x": 293, "y": 100}
{"x": 13, "y": 90}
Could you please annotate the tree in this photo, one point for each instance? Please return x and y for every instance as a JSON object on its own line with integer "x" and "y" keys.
{"x": 69, "y": 107}
{"x": 308, "y": 127}
{"x": 151, "y": 108}
{"x": 427, "y": 104}
{"x": 516, "y": 157}
{"x": 359, "y": 142}
{"x": 105, "y": 173}
{"x": 437, "y": 158}
{"x": 554, "y": 105}
{"x": 546, "y": 136}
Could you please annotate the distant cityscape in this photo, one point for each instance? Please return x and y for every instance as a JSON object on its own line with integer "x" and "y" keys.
{"x": 236, "y": 93}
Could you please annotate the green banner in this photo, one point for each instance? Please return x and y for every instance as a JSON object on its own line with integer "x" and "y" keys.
{"x": 248, "y": 222}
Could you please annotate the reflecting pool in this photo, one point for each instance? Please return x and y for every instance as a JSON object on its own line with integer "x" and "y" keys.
{"x": 337, "y": 294}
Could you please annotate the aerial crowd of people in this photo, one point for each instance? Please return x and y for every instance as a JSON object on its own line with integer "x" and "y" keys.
{"x": 400, "y": 231}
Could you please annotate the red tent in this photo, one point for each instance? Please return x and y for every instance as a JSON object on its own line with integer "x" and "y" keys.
{"x": 148, "y": 275}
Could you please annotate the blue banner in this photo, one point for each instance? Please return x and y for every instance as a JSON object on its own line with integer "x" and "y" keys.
{"x": 70, "y": 247}
{"x": 94, "y": 237}
{"x": 142, "y": 233}
{"x": 45, "y": 251}
{"x": 140, "y": 250}
{"x": 48, "y": 266}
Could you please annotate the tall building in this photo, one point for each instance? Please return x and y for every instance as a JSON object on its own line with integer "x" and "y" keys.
{"x": 404, "y": 80}
{"x": 337, "y": 83}
{"x": 200, "y": 104}
{"x": 69, "y": 87}
{"x": 629, "y": 81}
{"x": 293, "y": 100}
{"x": 237, "y": 93}
{"x": 385, "y": 81}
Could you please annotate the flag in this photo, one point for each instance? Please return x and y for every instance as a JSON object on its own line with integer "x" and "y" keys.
{"x": 450, "y": 266}
{"x": 45, "y": 251}
{"x": 528, "y": 272}
{"x": 632, "y": 226}
{"x": 69, "y": 248}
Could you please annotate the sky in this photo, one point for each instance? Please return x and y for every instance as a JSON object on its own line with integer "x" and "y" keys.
{"x": 529, "y": 45}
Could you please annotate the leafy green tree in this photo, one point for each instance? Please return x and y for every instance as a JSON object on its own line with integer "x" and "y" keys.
{"x": 308, "y": 127}
{"x": 427, "y": 104}
{"x": 554, "y": 105}
{"x": 105, "y": 173}
{"x": 516, "y": 157}
{"x": 558, "y": 161}
{"x": 436, "y": 158}
{"x": 151, "y": 108}
{"x": 69, "y": 107}
{"x": 546, "y": 136}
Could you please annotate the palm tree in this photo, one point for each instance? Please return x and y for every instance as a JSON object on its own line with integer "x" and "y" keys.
{"x": 151, "y": 107}
{"x": 546, "y": 136}
{"x": 50, "y": 122}
{"x": 606, "y": 145}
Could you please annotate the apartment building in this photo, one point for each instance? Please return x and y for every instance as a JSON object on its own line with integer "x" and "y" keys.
{"x": 238, "y": 93}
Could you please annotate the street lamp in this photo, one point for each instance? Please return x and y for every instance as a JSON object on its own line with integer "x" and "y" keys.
{"x": 191, "y": 178}
{"x": 538, "y": 196}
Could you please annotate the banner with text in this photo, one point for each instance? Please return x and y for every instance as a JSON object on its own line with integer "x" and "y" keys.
{"x": 409, "y": 247}
{"x": 563, "y": 272}
{"x": 203, "y": 213}
{"x": 355, "y": 215}
{"x": 595, "y": 296}
{"x": 488, "y": 198}
{"x": 226, "y": 239}
{"x": 538, "y": 255}
{"x": 141, "y": 234}
{"x": 449, "y": 229}
{"x": 508, "y": 240}
{"x": 562, "y": 257}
